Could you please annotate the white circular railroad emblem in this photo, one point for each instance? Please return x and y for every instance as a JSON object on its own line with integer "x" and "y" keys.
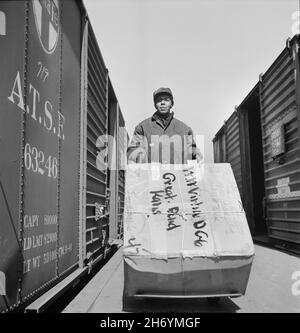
{"x": 46, "y": 14}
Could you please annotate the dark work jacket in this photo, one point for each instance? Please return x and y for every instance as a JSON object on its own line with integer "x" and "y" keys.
{"x": 153, "y": 142}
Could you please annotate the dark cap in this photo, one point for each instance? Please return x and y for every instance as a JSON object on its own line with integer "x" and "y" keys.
{"x": 163, "y": 91}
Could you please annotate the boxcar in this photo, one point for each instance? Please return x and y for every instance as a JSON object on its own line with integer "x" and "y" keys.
{"x": 57, "y": 176}
{"x": 280, "y": 119}
{"x": 263, "y": 135}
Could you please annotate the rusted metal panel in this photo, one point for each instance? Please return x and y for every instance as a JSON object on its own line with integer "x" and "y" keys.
{"x": 281, "y": 146}
{"x": 12, "y": 45}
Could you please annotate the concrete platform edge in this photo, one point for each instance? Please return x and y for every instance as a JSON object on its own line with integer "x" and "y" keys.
{"x": 87, "y": 297}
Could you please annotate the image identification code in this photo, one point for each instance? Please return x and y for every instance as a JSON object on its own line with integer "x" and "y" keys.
{"x": 163, "y": 322}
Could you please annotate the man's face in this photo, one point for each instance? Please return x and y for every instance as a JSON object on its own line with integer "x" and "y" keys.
{"x": 163, "y": 103}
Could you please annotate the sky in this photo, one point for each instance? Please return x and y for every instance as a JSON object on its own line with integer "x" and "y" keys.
{"x": 209, "y": 52}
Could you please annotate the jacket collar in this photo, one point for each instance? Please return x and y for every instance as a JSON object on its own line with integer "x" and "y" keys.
{"x": 163, "y": 122}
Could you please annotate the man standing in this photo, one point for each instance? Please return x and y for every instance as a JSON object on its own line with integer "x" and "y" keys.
{"x": 162, "y": 138}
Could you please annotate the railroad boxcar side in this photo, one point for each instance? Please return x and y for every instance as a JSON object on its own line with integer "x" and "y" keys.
{"x": 55, "y": 103}
{"x": 269, "y": 150}
{"x": 279, "y": 99}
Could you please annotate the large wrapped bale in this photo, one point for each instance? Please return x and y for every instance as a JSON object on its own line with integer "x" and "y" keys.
{"x": 185, "y": 232}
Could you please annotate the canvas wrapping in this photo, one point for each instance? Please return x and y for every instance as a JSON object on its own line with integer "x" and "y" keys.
{"x": 197, "y": 196}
